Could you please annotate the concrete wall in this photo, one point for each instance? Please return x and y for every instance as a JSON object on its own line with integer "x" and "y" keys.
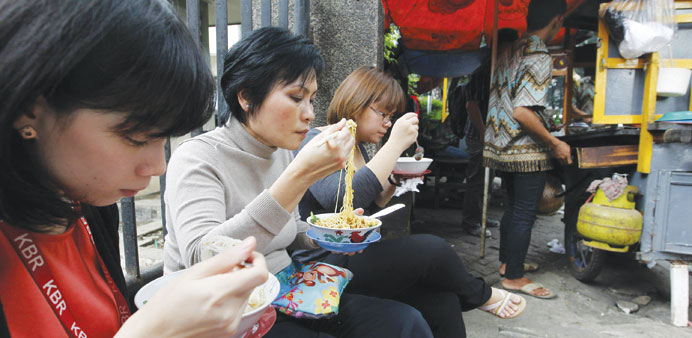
{"x": 350, "y": 34}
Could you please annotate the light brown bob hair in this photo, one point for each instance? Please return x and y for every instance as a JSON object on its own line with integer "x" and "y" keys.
{"x": 363, "y": 87}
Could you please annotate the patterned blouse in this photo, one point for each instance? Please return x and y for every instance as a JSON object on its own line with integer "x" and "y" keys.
{"x": 522, "y": 77}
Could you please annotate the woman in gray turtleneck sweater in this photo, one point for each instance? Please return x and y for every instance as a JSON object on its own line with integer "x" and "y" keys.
{"x": 241, "y": 179}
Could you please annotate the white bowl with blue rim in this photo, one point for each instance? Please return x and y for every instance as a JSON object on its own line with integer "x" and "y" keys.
{"x": 344, "y": 247}
{"x": 341, "y": 235}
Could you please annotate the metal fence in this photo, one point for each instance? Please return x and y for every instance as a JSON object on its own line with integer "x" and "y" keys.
{"x": 135, "y": 276}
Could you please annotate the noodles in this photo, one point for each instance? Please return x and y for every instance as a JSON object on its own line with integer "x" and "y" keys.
{"x": 258, "y": 297}
{"x": 347, "y": 218}
{"x": 219, "y": 243}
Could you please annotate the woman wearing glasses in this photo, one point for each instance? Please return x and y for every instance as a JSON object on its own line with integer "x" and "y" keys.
{"x": 420, "y": 270}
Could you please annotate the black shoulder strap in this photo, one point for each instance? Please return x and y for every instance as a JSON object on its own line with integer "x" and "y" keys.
{"x": 104, "y": 222}
{"x": 4, "y": 330}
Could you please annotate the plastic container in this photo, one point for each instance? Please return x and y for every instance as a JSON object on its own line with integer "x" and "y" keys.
{"x": 673, "y": 82}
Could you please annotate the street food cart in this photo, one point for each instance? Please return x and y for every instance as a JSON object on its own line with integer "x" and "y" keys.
{"x": 655, "y": 154}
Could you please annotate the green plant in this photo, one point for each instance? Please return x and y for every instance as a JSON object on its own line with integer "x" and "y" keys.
{"x": 413, "y": 83}
{"x": 435, "y": 111}
{"x": 391, "y": 40}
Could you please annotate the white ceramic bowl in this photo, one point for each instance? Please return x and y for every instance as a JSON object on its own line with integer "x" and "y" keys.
{"x": 411, "y": 166}
{"x": 342, "y": 235}
{"x": 271, "y": 291}
{"x": 345, "y": 247}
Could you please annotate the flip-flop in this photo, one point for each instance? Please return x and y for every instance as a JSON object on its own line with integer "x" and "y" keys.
{"x": 497, "y": 307}
{"x": 528, "y": 267}
{"x": 528, "y": 288}
{"x": 531, "y": 267}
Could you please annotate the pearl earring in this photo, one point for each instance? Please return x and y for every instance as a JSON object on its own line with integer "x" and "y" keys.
{"x": 27, "y": 132}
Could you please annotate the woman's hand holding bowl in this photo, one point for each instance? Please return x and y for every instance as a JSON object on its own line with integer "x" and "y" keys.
{"x": 206, "y": 301}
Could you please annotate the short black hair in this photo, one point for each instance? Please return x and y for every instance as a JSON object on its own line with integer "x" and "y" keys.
{"x": 130, "y": 56}
{"x": 267, "y": 57}
{"x": 505, "y": 35}
{"x": 541, "y": 12}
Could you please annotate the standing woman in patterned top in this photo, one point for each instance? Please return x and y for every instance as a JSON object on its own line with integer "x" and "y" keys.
{"x": 517, "y": 141}
{"x": 89, "y": 92}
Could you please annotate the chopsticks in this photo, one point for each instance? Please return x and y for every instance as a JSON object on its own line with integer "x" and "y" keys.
{"x": 327, "y": 139}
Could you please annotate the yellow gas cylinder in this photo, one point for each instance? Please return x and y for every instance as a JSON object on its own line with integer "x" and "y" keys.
{"x": 613, "y": 222}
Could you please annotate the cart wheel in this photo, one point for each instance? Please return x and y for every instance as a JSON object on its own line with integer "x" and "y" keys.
{"x": 585, "y": 263}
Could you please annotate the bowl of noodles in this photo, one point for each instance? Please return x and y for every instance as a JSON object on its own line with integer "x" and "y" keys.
{"x": 344, "y": 247}
{"x": 344, "y": 226}
{"x": 337, "y": 228}
{"x": 256, "y": 312}
{"x": 258, "y": 303}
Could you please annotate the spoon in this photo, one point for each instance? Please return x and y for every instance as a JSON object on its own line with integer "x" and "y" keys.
{"x": 387, "y": 210}
{"x": 418, "y": 155}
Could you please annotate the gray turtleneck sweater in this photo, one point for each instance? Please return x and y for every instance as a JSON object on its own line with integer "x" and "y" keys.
{"x": 216, "y": 184}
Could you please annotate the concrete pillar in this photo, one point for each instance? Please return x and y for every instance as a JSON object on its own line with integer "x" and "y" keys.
{"x": 350, "y": 34}
{"x": 679, "y": 293}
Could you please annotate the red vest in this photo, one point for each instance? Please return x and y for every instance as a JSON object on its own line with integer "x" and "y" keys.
{"x": 75, "y": 266}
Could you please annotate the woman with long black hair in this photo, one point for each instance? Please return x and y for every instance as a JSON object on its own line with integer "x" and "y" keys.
{"x": 89, "y": 92}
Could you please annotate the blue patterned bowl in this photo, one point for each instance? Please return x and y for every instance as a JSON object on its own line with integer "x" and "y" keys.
{"x": 345, "y": 247}
{"x": 341, "y": 235}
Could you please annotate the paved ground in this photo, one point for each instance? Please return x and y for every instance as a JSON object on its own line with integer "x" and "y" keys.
{"x": 580, "y": 310}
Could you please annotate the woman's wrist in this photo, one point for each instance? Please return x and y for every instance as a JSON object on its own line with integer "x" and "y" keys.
{"x": 138, "y": 325}
{"x": 392, "y": 181}
{"x": 394, "y": 147}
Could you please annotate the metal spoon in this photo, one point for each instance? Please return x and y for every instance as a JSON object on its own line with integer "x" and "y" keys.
{"x": 419, "y": 152}
{"x": 387, "y": 210}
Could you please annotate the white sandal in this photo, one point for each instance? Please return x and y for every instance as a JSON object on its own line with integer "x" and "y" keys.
{"x": 497, "y": 308}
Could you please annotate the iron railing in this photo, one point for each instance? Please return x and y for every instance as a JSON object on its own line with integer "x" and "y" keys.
{"x": 135, "y": 276}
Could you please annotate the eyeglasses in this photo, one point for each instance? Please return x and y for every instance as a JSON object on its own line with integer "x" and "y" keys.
{"x": 386, "y": 118}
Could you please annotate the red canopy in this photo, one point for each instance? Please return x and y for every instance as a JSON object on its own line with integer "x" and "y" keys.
{"x": 455, "y": 24}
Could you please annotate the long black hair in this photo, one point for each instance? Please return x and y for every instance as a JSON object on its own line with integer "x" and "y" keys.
{"x": 130, "y": 56}
{"x": 267, "y": 57}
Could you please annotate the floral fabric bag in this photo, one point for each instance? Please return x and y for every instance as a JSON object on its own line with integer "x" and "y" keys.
{"x": 311, "y": 290}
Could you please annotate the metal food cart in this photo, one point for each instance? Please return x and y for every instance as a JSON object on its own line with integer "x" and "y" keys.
{"x": 657, "y": 156}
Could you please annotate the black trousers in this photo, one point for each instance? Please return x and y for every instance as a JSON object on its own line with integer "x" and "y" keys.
{"x": 419, "y": 272}
{"x": 524, "y": 191}
{"x": 359, "y": 316}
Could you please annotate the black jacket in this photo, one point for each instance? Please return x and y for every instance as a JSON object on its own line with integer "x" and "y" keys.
{"x": 103, "y": 222}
